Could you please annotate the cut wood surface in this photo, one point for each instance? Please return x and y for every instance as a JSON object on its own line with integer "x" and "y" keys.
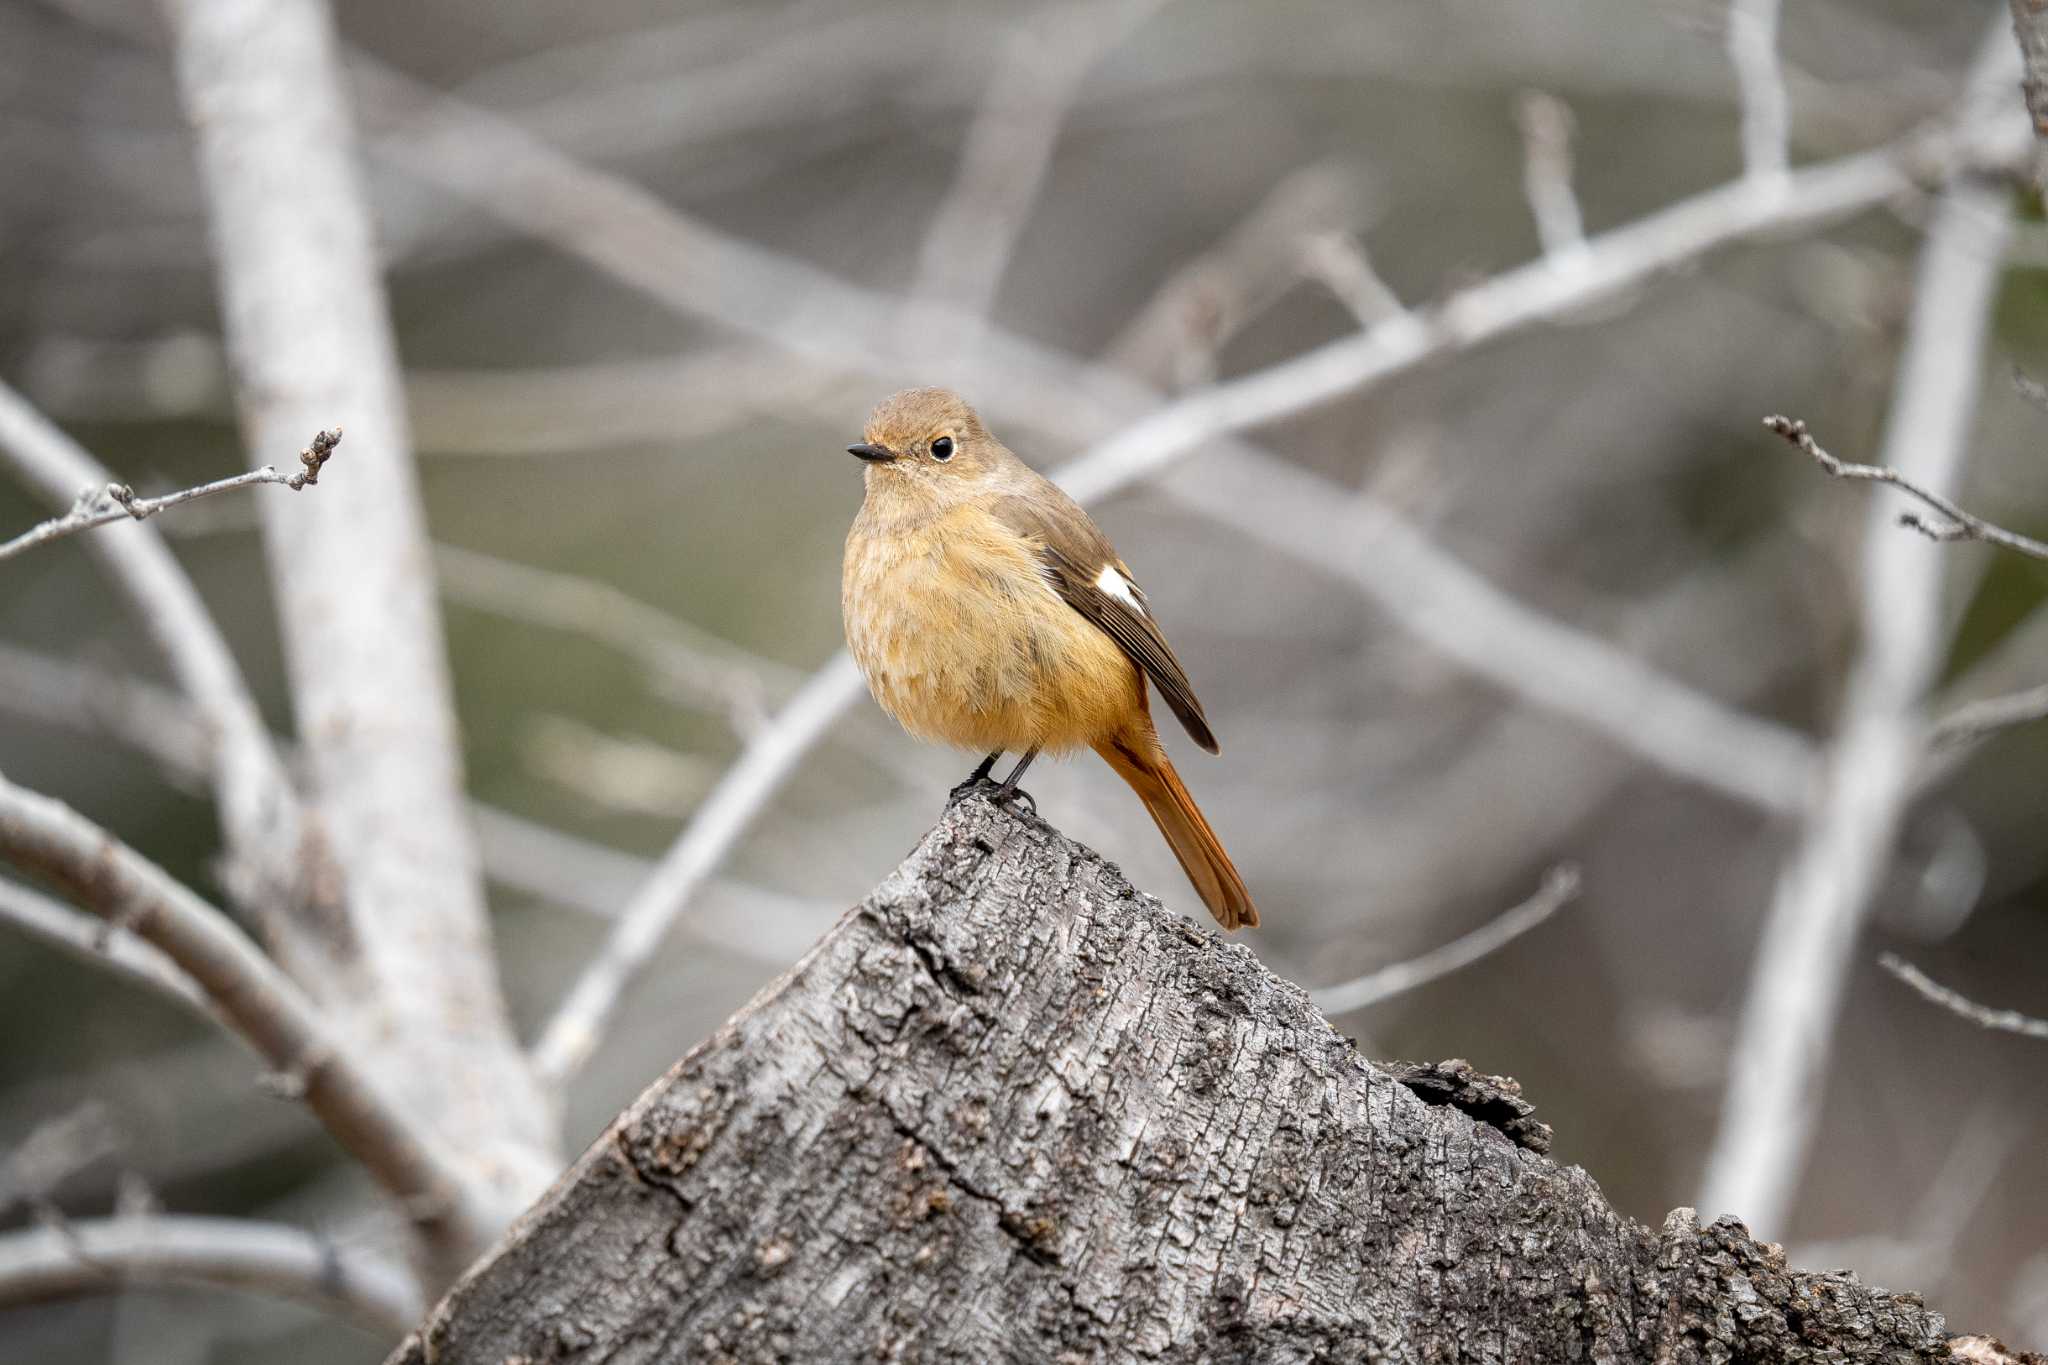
{"x": 1011, "y": 1109}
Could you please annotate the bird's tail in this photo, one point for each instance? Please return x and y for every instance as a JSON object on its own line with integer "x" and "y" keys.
{"x": 1140, "y": 761}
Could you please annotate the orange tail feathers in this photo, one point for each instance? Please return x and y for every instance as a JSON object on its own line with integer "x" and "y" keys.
{"x": 1145, "y": 766}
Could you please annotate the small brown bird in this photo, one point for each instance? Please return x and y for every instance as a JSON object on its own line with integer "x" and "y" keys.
{"x": 987, "y": 611}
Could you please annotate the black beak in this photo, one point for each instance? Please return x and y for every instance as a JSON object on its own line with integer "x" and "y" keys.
{"x": 873, "y": 454}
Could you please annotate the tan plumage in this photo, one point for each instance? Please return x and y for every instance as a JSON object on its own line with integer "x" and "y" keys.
{"x": 987, "y": 610}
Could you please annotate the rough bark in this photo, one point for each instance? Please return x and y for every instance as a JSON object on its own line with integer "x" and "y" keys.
{"x": 1011, "y": 1109}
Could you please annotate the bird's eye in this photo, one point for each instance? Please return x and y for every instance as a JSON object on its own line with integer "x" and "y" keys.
{"x": 942, "y": 449}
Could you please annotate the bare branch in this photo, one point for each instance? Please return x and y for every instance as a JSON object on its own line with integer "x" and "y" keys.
{"x": 1171, "y": 342}
{"x": 272, "y": 866}
{"x": 1766, "y": 113}
{"x": 102, "y": 703}
{"x": 99, "y": 506}
{"x": 578, "y": 1023}
{"x": 308, "y": 332}
{"x": 1518, "y": 298}
{"x": 263, "y": 1006}
{"x": 1009, "y": 146}
{"x": 108, "y": 1255}
{"x": 2003, "y": 1021}
{"x": 1960, "y": 525}
{"x": 1824, "y": 891}
{"x": 1339, "y": 262}
{"x": 52, "y": 1153}
{"x": 1546, "y": 124}
{"x": 1560, "y": 888}
{"x": 103, "y": 944}
{"x": 741, "y": 918}
{"x": 687, "y": 660}
{"x": 1974, "y": 720}
{"x": 627, "y": 232}
{"x": 1529, "y": 655}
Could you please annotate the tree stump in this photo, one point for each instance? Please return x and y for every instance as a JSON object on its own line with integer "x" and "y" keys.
{"x": 1010, "y": 1109}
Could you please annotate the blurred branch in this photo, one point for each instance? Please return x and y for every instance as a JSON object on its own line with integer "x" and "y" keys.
{"x": 689, "y": 661}
{"x": 1974, "y": 720}
{"x": 255, "y": 999}
{"x": 1172, "y": 341}
{"x": 1546, "y": 124}
{"x": 276, "y": 862}
{"x": 1824, "y": 891}
{"x": 100, "y": 702}
{"x": 2003, "y": 1021}
{"x": 110, "y": 1255}
{"x": 53, "y": 1152}
{"x": 579, "y": 874}
{"x": 577, "y": 1025}
{"x": 1560, "y": 888}
{"x": 1961, "y": 525}
{"x": 1553, "y": 664}
{"x": 308, "y": 331}
{"x": 1338, "y": 261}
{"x": 629, "y": 233}
{"x": 1009, "y": 146}
{"x": 99, "y": 506}
{"x": 1766, "y": 112}
{"x": 103, "y": 944}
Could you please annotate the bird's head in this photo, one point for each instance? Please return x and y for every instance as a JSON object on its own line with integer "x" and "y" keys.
{"x": 928, "y": 441}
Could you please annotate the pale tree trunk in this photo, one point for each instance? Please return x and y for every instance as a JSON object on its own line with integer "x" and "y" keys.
{"x": 1010, "y": 1109}
{"x": 407, "y": 962}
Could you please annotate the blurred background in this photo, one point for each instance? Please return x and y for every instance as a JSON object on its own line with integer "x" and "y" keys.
{"x": 639, "y": 518}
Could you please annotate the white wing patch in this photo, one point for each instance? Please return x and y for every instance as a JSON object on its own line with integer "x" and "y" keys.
{"x": 1114, "y": 584}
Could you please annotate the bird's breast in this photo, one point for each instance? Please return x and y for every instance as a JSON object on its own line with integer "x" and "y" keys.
{"x": 964, "y": 640}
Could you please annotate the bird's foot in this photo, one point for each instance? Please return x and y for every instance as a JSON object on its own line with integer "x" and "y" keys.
{"x": 982, "y": 785}
{"x": 1010, "y": 794}
{"x": 975, "y": 780}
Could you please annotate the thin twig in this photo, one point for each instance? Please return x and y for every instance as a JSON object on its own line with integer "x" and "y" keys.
{"x": 100, "y": 1256}
{"x": 1560, "y": 888}
{"x": 1961, "y": 525}
{"x": 272, "y": 868}
{"x": 114, "y": 501}
{"x": 262, "y": 1005}
{"x": 1824, "y": 891}
{"x": 1766, "y": 117}
{"x": 1546, "y": 123}
{"x": 2004, "y": 1021}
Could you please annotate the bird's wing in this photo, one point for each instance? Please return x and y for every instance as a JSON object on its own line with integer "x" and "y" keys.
{"x": 1084, "y": 569}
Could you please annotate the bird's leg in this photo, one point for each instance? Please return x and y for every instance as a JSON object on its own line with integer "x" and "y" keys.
{"x": 1009, "y": 791}
{"x": 975, "y": 778}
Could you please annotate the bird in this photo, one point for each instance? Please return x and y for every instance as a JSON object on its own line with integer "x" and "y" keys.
{"x": 986, "y": 610}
